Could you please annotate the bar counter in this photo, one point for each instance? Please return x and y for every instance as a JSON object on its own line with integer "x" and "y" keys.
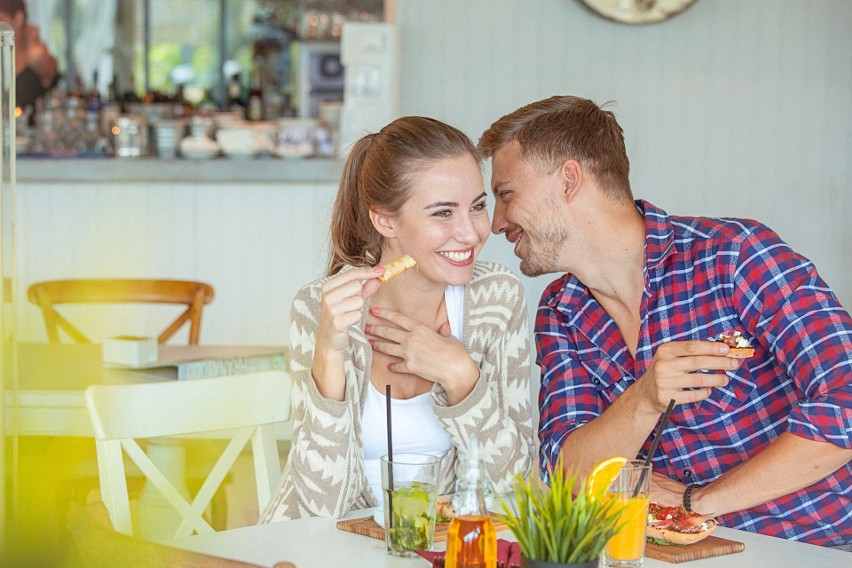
{"x": 275, "y": 170}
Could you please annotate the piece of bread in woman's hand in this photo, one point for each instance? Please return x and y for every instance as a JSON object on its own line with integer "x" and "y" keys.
{"x": 397, "y": 267}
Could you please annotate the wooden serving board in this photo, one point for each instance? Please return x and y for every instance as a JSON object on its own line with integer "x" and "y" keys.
{"x": 367, "y": 526}
{"x": 707, "y": 548}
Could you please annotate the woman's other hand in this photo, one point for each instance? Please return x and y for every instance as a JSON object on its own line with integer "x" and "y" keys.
{"x": 436, "y": 356}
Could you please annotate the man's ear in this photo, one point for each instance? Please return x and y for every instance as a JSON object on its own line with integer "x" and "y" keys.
{"x": 571, "y": 175}
{"x": 383, "y": 223}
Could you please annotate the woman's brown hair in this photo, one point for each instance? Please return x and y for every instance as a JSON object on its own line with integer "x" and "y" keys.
{"x": 378, "y": 176}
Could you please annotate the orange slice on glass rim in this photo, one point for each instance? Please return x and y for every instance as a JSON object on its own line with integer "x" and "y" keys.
{"x": 603, "y": 474}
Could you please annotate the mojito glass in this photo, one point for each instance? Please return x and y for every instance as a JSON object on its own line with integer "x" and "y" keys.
{"x": 410, "y": 494}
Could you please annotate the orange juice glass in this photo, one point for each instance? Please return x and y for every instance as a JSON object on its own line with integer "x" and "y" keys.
{"x": 627, "y": 548}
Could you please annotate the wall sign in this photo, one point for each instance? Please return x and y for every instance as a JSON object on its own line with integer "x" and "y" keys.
{"x": 638, "y": 11}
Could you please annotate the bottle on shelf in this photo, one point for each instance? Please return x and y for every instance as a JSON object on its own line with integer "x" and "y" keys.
{"x": 471, "y": 539}
{"x": 254, "y": 105}
{"x": 235, "y": 93}
{"x": 182, "y": 107}
{"x": 94, "y": 95}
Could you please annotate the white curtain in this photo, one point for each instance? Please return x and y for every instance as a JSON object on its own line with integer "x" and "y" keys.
{"x": 94, "y": 35}
{"x": 44, "y": 14}
{"x": 94, "y": 40}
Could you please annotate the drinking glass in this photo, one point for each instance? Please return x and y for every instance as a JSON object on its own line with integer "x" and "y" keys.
{"x": 627, "y": 548}
{"x": 410, "y": 494}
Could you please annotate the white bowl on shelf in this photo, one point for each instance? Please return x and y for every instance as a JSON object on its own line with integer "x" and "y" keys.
{"x": 199, "y": 148}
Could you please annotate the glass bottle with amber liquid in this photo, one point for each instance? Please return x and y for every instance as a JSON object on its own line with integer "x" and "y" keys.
{"x": 254, "y": 105}
{"x": 471, "y": 539}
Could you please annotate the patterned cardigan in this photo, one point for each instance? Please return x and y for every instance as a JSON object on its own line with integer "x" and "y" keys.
{"x": 324, "y": 475}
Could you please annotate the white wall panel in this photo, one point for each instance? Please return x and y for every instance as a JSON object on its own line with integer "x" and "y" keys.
{"x": 255, "y": 243}
{"x": 730, "y": 108}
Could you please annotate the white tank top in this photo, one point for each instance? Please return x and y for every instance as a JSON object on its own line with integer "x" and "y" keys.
{"x": 415, "y": 427}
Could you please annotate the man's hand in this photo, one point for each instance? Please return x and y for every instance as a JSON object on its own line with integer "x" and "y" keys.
{"x": 672, "y": 374}
{"x": 38, "y": 58}
{"x": 678, "y": 371}
{"x": 666, "y": 491}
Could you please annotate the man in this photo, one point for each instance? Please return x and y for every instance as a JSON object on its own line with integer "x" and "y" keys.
{"x": 35, "y": 67}
{"x": 764, "y": 443}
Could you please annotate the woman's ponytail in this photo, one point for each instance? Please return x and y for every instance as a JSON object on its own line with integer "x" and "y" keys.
{"x": 350, "y": 218}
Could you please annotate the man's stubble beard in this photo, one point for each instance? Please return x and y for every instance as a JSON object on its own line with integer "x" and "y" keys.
{"x": 544, "y": 244}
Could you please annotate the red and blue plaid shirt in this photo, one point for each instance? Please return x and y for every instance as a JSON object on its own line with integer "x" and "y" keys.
{"x": 704, "y": 277}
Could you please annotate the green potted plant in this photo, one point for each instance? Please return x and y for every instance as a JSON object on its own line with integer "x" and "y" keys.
{"x": 566, "y": 524}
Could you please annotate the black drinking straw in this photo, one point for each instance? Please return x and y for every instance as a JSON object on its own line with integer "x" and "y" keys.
{"x": 663, "y": 421}
{"x": 389, "y": 520}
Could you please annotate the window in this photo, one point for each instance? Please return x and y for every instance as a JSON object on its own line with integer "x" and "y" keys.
{"x": 152, "y": 46}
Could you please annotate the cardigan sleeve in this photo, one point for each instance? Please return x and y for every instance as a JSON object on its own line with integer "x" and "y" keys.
{"x": 324, "y": 473}
{"x": 498, "y": 408}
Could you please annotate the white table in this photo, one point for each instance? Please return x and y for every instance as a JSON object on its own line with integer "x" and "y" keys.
{"x": 317, "y": 543}
{"x": 50, "y": 401}
{"x": 53, "y": 380}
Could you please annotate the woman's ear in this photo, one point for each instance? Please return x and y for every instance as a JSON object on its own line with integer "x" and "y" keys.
{"x": 383, "y": 223}
{"x": 571, "y": 174}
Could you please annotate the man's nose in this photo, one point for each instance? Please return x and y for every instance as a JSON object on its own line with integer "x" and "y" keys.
{"x": 498, "y": 223}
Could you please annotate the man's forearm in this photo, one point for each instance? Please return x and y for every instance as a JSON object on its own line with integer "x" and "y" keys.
{"x": 619, "y": 431}
{"x": 788, "y": 464}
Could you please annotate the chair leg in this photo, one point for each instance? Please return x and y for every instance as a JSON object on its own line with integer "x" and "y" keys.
{"x": 217, "y": 511}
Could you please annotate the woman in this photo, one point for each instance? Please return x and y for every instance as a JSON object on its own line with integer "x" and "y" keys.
{"x": 449, "y": 336}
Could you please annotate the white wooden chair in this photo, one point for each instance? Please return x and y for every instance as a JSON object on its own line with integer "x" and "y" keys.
{"x": 246, "y": 406}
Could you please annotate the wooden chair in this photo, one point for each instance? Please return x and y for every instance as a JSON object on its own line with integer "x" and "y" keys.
{"x": 246, "y": 406}
{"x": 48, "y": 294}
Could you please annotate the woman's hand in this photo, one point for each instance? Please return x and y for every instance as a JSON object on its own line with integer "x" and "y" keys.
{"x": 340, "y": 308}
{"x": 436, "y": 356}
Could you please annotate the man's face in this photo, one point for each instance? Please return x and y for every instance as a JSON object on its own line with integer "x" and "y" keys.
{"x": 16, "y": 21}
{"x": 527, "y": 211}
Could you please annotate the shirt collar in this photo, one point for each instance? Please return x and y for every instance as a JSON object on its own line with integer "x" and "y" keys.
{"x": 659, "y": 240}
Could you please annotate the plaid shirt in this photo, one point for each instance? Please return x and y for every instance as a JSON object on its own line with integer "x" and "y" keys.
{"x": 704, "y": 277}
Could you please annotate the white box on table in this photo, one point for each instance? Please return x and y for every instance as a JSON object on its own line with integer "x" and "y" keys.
{"x": 130, "y": 351}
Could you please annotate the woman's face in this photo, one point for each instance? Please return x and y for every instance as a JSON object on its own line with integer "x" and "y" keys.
{"x": 444, "y": 224}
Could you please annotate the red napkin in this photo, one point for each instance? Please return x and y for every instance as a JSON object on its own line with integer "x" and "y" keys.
{"x": 508, "y": 555}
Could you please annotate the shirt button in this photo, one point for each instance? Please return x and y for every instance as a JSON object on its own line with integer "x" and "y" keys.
{"x": 687, "y": 473}
{"x": 596, "y": 381}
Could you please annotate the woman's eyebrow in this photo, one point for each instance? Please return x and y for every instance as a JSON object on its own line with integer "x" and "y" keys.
{"x": 442, "y": 204}
{"x": 453, "y": 203}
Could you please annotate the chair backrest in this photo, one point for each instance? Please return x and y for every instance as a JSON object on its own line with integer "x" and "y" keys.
{"x": 48, "y": 294}
{"x": 246, "y": 406}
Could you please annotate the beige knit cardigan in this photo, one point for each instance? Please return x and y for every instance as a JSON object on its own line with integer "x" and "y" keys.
{"x": 324, "y": 474}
